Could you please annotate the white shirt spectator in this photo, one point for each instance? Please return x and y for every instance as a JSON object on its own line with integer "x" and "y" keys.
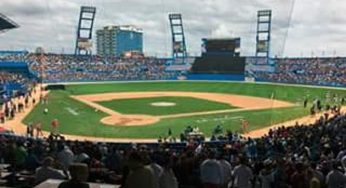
{"x": 45, "y": 173}
{"x": 157, "y": 170}
{"x": 211, "y": 172}
{"x": 65, "y": 157}
{"x": 242, "y": 176}
{"x": 335, "y": 179}
{"x": 226, "y": 171}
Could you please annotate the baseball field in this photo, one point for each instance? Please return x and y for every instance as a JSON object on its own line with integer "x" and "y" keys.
{"x": 149, "y": 109}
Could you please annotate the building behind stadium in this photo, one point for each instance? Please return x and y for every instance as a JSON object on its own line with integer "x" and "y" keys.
{"x": 116, "y": 40}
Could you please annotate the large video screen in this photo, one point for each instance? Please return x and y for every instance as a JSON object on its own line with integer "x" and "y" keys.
{"x": 219, "y": 64}
{"x": 221, "y": 45}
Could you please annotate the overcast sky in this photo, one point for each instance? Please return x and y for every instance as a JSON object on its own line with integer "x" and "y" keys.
{"x": 316, "y": 26}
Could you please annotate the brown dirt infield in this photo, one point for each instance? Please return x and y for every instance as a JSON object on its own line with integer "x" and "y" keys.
{"x": 115, "y": 118}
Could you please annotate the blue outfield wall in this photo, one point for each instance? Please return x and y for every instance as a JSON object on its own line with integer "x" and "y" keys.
{"x": 13, "y": 64}
{"x": 234, "y": 77}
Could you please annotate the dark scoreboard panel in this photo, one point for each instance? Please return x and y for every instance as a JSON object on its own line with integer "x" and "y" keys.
{"x": 219, "y": 64}
{"x": 231, "y": 45}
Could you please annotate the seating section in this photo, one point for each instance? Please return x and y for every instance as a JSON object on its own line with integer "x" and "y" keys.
{"x": 314, "y": 154}
{"x": 312, "y": 71}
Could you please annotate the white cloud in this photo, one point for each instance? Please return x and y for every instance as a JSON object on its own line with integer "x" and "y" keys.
{"x": 317, "y": 25}
{"x": 221, "y": 31}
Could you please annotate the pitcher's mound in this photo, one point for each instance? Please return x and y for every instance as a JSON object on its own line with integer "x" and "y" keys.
{"x": 129, "y": 120}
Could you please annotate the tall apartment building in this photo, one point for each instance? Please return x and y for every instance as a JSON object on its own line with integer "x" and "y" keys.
{"x": 116, "y": 40}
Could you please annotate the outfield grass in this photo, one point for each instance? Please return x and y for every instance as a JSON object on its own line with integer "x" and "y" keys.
{"x": 282, "y": 92}
{"x": 80, "y": 119}
{"x": 182, "y": 105}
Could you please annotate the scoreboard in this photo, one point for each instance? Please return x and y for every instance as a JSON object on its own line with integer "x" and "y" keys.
{"x": 220, "y": 56}
{"x": 223, "y": 46}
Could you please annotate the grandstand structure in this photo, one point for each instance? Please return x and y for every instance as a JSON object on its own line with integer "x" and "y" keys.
{"x": 179, "y": 50}
{"x": 85, "y": 30}
{"x": 6, "y": 23}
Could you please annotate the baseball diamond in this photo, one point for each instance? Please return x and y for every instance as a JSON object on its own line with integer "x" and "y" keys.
{"x": 255, "y": 102}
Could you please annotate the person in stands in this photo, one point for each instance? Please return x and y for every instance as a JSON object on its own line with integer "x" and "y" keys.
{"x": 139, "y": 175}
{"x": 47, "y": 171}
{"x": 79, "y": 175}
{"x": 243, "y": 175}
{"x": 211, "y": 172}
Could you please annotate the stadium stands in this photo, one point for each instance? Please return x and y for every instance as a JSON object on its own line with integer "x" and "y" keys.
{"x": 312, "y": 71}
{"x": 64, "y": 68}
{"x": 299, "y": 156}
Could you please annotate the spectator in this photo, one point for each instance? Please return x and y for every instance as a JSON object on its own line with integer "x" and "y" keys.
{"x": 226, "y": 171}
{"x": 167, "y": 177}
{"x": 65, "y": 156}
{"x": 243, "y": 175}
{"x": 47, "y": 171}
{"x": 79, "y": 175}
{"x": 266, "y": 176}
{"x": 139, "y": 175}
{"x": 335, "y": 178}
{"x": 211, "y": 172}
{"x": 20, "y": 155}
{"x": 299, "y": 178}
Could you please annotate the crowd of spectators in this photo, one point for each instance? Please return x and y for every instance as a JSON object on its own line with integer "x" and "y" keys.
{"x": 15, "y": 89}
{"x": 60, "y": 68}
{"x": 11, "y": 77}
{"x": 14, "y": 81}
{"x": 301, "y": 156}
{"x": 13, "y": 57}
{"x": 55, "y": 68}
{"x": 313, "y": 71}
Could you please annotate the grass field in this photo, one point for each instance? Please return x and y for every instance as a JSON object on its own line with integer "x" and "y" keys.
{"x": 182, "y": 105}
{"x": 77, "y": 118}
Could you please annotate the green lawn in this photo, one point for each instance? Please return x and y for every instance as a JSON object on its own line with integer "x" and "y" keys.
{"x": 182, "y": 105}
{"x": 282, "y": 92}
{"x": 80, "y": 119}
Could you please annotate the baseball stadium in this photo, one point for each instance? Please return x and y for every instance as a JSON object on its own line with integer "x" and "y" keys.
{"x": 110, "y": 111}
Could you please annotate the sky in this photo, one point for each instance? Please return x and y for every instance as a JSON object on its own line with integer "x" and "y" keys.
{"x": 299, "y": 28}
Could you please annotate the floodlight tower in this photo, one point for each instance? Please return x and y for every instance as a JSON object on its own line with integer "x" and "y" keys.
{"x": 84, "y": 32}
{"x": 6, "y": 23}
{"x": 178, "y": 37}
{"x": 263, "y": 33}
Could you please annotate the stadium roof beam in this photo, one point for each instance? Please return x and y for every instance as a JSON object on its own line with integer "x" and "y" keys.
{"x": 84, "y": 32}
{"x": 264, "y": 18}
{"x": 6, "y": 23}
{"x": 178, "y": 37}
